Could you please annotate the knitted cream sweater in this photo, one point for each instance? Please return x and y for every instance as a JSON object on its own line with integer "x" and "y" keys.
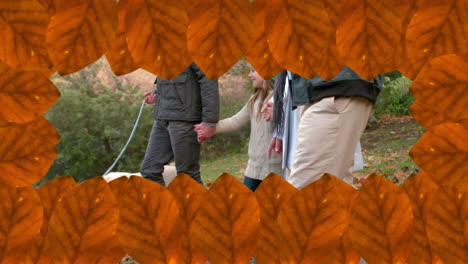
{"x": 258, "y": 166}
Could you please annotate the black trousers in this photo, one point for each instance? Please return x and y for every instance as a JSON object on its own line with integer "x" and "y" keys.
{"x": 172, "y": 140}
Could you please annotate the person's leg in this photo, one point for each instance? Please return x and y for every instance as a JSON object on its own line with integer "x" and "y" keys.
{"x": 158, "y": 153}
{"x": 186, "y": 148}
{"x": 252, "y": 183}
{"x": 327, "y": 137}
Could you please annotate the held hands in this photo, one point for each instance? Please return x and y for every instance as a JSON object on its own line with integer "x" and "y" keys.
{"x": 267, "y": 111}
{"x": 150, "y": 97}
{"x": 204, "y": 132}
{"x": 276, "y": 145}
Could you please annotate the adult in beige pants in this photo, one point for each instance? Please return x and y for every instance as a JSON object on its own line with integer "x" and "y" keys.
{"x": 334, "y": 126}
{"x": 333, "y": 116}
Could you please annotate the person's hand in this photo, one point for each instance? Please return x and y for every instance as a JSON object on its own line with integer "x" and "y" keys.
{"x": 150, "y": 97}
{"x": 204, "y": 132}
{"x": 267, "y": 111}
{"x": 276, "y": 145}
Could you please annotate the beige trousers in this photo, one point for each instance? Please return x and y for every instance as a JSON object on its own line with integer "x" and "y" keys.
{"x": 328, "y": 133}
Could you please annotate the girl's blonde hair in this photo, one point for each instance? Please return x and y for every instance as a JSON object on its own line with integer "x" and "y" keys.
{"x": 260, "y": 95}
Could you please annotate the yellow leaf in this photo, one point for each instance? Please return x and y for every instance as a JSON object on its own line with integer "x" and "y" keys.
{"x": 299, "y": 35}
{"x": 312, "y": 221}
{"x": 421, "y": 191}
{"x": 381, "y": 222}
{"x": 226, "y": 225}
{"x": 118, "y": 55}
{"x": 23, "y": 27}
{"x": 82, "y": 223}
{"x": 367, "y": 40}
{"x": 80, "y": 32}
{"x": 148, "y": 222}
{"x": 259, "y": 54}
{"x": 21, "y": 218}
{"x": 441, "y": 87}
{"x": 447, "y": 219}
{"x": 435, "y": 30}
{"x": 220, "y": 33}
{"x": 27, "y": 151}
{"x": 271, "y": 195}
{"x": 156, "y": 33}
{"x": 22, "y": 99}
{"x": 344, "y": 251}
{"x": 188, "y": 194}
{"x": 443, "y": 153}
{"x": 49, "y": 195}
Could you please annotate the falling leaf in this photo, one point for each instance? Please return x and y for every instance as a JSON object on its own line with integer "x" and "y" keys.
{"x": 23, "y": 100}
{"x": 443, "y": 153}
{"x": 188, "y": 194}
{"x": 226, "y": 225}
{"x": 299, "y": 35}
{"x": 23, "y": 27}
{"x": 442, "y": 87}
{"x": 447, "y": 219}
{"x": 436, "y": 30}
{"x": 259, "y": 54}
{"x": 368, "y": 40}
{"x": 381, "y": 222}
{"x": 21, "y": 219}
{"x": 421, "y": 191}
{"x": 80, "y": 32}
{"x": 118, "y": 55}
{"x": 313, "y": 221}
{"x": 271, "y": 194}
{"x": 148, "y": 222}
{"x": 82, "y": 223}
{"x": 156, "y": 33}
{"x": 49, "y": 195}
{"x": 27, "y": 151}
{"x": 220, "y": 33}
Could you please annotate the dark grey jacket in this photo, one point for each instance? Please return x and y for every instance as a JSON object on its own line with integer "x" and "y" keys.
{"x": 191, "y": 96}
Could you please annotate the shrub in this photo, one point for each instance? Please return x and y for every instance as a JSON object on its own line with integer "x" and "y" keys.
{"x": 395, "y": 98}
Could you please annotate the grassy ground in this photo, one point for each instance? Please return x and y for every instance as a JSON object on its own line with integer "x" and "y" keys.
{"x": 385, "y": 147}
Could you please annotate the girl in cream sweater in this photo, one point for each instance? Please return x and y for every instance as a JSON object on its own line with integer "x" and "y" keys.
{"x": 258, "y": 166}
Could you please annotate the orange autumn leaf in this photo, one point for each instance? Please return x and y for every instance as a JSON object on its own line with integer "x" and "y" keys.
{"x": 447, "y": 221}
{"x": 381, "y": 222}
{"x": 23, "y": 27}
{"x": 421, "y": 191}
{"x": 114, "y": 254}
{"x": 312, "y": 221}
{"x": 27, "y": 151}
{"x": 272, "y": 193}
{"x": 220, "y": 33}
{"x": 49, "y": 195}
{"x": 148, "y": 222}
{"x": 80, "y": 31}
{"x": 443, "y": 153}
{"x": 226, "y": 225}
{"x": 118, "y": 186}
{"x": 436, "y": 30}
{"x": 188, "y": 194}
{"x": 429, "y": 117}
{"x": 156, "y": 32}
{"x": 83, "y": 222}
{"x": 24, "y": 100}
{"x": 344, "y": 251}
{"x": 118, "y": 55}
{"x": 441, "y": 86}
{"x": 21, "y": 218}
{"x": 298, "y": 34}
{"x": 367, "y": 40}
{"x": 259, "y": 54}
{"x": 406, "y": 10}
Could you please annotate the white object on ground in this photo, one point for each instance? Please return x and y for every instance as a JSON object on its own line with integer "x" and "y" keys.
{"x": 169, "y": 174}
